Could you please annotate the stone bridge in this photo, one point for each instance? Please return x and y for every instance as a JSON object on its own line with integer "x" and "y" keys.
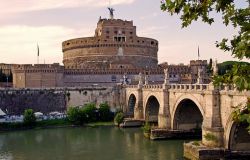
{"x": 192, "y": 106}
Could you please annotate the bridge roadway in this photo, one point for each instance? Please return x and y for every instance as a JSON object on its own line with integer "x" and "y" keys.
{"x": 192, "y": 106}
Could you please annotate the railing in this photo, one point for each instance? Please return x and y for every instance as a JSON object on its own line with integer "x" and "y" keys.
{"x": 153, "y": 86}
{"x": 55, "y": 89}
{"x": 188, "y": 86}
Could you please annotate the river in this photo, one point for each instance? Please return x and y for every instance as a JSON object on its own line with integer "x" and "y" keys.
{"x": 86, "y": 143}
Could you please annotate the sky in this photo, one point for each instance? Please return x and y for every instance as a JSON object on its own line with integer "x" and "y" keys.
{"x": 26, "y": 23}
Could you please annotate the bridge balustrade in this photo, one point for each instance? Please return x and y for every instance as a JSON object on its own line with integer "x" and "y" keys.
{"x": 153, "y": 86}
{"x": 186, "y": 87}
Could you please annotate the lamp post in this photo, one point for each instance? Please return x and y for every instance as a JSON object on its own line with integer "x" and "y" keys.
{"x": 7, "y": 80}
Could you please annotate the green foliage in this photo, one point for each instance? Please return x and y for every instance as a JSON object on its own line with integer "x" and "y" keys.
{"x": 52, "y": 122}
{"x": 76, "y": 115}
{"x": 237, "y": 74}
{"x": 104, "y": 112}
{"x": 196, "y": 143}
{"x": 146, "y": 128}
{"x": 210, "y": 137}
{"x": 239, "y": 45}
{"x": 119, "y": 117}
{"x": 243, "y": 116}
{"x": 90, "y": 111}
{"x": 29, "y": 117}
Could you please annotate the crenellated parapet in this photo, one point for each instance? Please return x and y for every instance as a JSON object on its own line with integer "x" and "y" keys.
{"x": 46, "y": 68}
{"x": 95, "y": 71}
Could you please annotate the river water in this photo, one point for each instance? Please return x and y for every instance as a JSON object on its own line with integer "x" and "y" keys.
{"x": 87, "y": 143}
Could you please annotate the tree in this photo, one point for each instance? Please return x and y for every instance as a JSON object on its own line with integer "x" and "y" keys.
{"x": 104, "y": 112}
{"x": 119, "y": 117}
{"x": 238, "y": 46}
{"x": 29, "y": 117}
{"x": 76, "y": 116}
{"x": 90, "y": 111}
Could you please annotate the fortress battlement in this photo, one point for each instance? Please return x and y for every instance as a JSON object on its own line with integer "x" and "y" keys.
{"x": 198, "y": 62}
{"x": 56, "y": 67}
{"x": 112, "y": 71}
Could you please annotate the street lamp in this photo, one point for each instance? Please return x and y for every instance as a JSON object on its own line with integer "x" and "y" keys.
{"x": 7, "y": 80}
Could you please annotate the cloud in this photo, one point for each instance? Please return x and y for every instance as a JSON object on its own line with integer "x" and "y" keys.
{"x": 18, "y": 44}
{"x": 151, "y": 30}
{"x": 14, "y": 6}
{"x": 153, "y": 15}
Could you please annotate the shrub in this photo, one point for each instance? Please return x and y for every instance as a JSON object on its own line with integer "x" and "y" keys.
{"x": 76, "y": 115}
{"x": 90, "y": 111}
{"x": 146, "y": 128}
{"x": 104, "y": 112}
{"x": 119, "y": 118}
{"x": 210, "y": 137}
{"x": 29, "y": 117}
{"x": 196, "y": 143}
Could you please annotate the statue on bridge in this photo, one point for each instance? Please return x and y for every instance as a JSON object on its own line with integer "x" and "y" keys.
{"x": 125, "y": 79}
{"x": 166, "y": 77}
{"x": 215, "y": 68}
{"x": 140, "y": 79}
{"x": 200, "y": 76}
{"x": 146, "y": 79}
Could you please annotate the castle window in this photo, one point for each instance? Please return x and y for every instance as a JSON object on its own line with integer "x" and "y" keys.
{"x": 107, "y": 36}
{"x": 120, "y": 39}
{"x": 131, "y": 32}
{"x": 107, "y": 32}
{"x": 123, "y": 32}
{"x": 115, "y": 32}
{"x": 113, "y": 78}
{"x": 152, "y": 42}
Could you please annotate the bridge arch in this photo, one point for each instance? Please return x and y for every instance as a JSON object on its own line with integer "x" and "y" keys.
{"x": 187, "y": 114}
{"x": 236, "y": 136}
{"x": 131, "y": 104}
{"x": 152, "y": 109}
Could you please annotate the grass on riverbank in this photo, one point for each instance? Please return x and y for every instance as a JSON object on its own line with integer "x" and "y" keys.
{"x": 53, "y": 122}
{"x": 38, "y": 124}
{"x": 96, "y": 124}
{"x": 48, "y": 123}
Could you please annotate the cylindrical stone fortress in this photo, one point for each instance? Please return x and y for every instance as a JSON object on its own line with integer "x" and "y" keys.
{"x": 115, "y": 42}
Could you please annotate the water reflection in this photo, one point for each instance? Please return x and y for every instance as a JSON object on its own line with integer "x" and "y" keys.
{"x": 101, "y": 143}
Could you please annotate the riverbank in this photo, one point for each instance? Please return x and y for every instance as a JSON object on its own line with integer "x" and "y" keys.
{"x": 55, "y": 123}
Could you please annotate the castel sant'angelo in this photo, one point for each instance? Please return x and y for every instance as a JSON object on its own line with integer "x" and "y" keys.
{"x": 115, "y": 54}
